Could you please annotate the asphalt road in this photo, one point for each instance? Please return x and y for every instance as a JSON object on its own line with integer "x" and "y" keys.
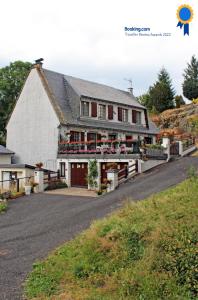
{"x": 35, "y": 225}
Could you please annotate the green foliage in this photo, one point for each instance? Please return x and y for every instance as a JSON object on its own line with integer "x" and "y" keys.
{"x": 12, "y": 78}
{"x": 147, "y": 250}
{"x": 145, "y": 100}
{"x": 56, "y": 185}
{"x": 190, "y": 84}
{"x": 3, "y": 205}
{"x": 93, "y": 173}
{"x": 160, "y": 96}
{"x": 154, "y": 146}
{"x": 179, "y": 101}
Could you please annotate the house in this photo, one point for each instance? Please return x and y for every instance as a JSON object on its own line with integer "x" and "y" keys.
{"x": 9, "y": 173}
{"x": 5, "y": 155}
{"x": 63, "y": 122}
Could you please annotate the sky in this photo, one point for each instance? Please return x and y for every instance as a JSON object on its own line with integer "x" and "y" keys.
{"x": 86, "y": 39}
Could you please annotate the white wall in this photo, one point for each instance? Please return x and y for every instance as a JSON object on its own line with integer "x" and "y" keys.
{"x": 5, "y": 159}
{"x": 32, "y": 131}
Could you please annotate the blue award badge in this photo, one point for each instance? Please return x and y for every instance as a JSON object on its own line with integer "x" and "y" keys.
{"x": 185, "y": 16}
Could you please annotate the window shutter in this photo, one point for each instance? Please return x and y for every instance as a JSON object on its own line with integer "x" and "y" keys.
{"x": 94, "y": 109}
{"x": 90, "y": 136}
{"x": 134, "y": 119}
{"x": 72, "y": 136}
{"x": 110, "y": 112}
{"x": 146, "y": 118}
{"x": 98, "y": 137}
{"x": 119, "y": 114}
{"x": 82, "y": 136}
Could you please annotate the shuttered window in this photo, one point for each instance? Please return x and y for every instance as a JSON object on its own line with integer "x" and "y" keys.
{"x": 62, "y": 169}
{"x": 85, "y": 109}
{"x": 134, "y": 116}
{"x": 125, "y": 115}
{"x": 102, "y": 112}
{"x": 93, "y": 109}
{"x": 110, "y": 112}
{"x": 120, "y": 114}
{"x": 146, "y": 118}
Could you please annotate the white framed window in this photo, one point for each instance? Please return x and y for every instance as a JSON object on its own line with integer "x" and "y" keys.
{"x": 76, "y": 136}
{"x": 138, "y": 117}
{"x": 85, "y": 109}
{"x": 124, "y": 115}
{"x": 102, "y": 111}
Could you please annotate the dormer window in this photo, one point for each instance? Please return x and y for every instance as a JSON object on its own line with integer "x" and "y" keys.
{"x": 122, "y": 114}
{"x": 102, "y": 112}
{"x": 136, "y": 117}
{"x": 85, "y": 109}
{"x": 125, "y": 115}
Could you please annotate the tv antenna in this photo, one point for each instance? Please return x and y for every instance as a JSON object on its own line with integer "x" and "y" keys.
{"x": 130, "y": 82}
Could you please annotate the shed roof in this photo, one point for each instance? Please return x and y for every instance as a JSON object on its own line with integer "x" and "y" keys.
{"x": 4, "y": 150}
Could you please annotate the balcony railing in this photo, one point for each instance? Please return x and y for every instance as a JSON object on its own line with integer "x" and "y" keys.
{"x": 99, "y": 147}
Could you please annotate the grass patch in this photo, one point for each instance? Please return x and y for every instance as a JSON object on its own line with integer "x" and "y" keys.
{"x": 145, "y": 251}
{"x": 3, "y": 206}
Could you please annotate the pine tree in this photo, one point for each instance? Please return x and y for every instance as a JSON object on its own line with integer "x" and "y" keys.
{"x": 162, "y": 93}
{"x": 190, "y": 84}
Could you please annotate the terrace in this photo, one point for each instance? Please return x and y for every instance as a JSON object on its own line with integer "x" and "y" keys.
{"x": 99, "y": 148}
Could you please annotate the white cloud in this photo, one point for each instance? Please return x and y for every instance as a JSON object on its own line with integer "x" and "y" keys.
{"x": 86, "y": 38}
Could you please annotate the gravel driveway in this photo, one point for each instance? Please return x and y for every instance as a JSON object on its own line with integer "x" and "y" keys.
{"x": 37, "y": 224}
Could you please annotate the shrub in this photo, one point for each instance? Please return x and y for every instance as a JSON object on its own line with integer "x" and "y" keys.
{"x": 3, "y": 205}
{"x": 53, "y": 185}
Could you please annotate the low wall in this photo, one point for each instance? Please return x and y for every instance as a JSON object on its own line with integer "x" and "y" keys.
{"x": 144, "y": 166}
{"x": 189, "y": 150}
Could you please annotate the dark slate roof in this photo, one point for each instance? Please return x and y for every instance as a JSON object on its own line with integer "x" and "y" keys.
{"x": 16, "y": 166}
{"x": 67, "y": 91}
{"x": 118, "y": 126}
{"x": 102, "y": 92}
{"x": 57, "y": 85}
{"x": 4, "y": 150}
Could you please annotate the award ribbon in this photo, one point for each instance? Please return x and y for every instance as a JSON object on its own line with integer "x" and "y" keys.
{"x": 184, "y": 16}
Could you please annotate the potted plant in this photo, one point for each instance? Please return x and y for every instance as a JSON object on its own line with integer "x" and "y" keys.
{"x": 39, "y": 165}
{"x": 28, "y": 187}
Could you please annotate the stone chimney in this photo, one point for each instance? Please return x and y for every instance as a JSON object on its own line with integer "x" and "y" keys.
{"x": 38, "y": 63}
{"x": 130, "y": 90}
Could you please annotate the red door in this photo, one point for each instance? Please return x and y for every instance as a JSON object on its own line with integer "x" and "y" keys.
{"x": 79, "y": 173}
{"x": 107, "y": 166}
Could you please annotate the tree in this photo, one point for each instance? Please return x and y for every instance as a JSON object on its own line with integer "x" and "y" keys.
{"x": 190, "y": 84}
{"x": 161, "y": 95}
{"x": 179, "y": 101}
{"x": 12, "y": 78}
{"x": 162, "y": 92}
{"x": 145, "y": 100}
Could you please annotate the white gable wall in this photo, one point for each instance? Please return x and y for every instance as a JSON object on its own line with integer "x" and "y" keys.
{"x": 32, "y": 132}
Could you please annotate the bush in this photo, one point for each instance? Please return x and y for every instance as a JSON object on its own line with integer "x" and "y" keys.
{"x": 154, "y": 146}
{"x": 3, "y": 206}
{"x": 53, "y": 185}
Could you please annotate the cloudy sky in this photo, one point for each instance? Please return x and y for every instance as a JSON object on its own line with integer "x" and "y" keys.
{"x": 86, "y": 39}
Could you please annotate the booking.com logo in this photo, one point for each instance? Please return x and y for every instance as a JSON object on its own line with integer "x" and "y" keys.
{"x": 136, "y": 29}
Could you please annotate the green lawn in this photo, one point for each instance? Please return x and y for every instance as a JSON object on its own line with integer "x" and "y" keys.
{"x": 145, "y": 251}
